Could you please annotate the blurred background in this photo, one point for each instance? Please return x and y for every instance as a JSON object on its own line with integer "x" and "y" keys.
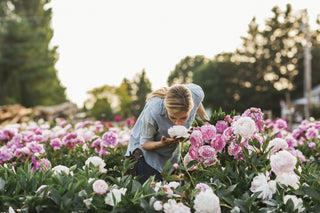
{"x": 81, "y": 59}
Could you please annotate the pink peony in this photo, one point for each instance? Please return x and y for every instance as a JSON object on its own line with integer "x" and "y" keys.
{"x": 5, "y": 154}
{"x": 206, "y": 151}
{"x": 196, "y": 138}
{"x": 311, "y": 133}
{"x": 219, "y": 142}
{"x": 208, "y": 132}
{"x": 193, "y": 152}
{"x": 221, "y": 126}
{"x": 109, "y": 139}
{"x": 100, "y": 187}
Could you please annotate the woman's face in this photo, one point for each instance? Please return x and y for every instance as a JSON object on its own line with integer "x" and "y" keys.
{"x": 179, "y": 118}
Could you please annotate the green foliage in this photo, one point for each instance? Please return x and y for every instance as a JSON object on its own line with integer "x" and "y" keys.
{"x": 142, "y": 87}
{"x": 102, "y": 110}
{"x": 28, "y": 75}
{"x": 184, "y": 70}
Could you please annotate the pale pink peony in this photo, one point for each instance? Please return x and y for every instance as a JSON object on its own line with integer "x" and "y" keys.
{"x": 100, "y": 187}
{"x": 283, "y": 161}
{"x": 244, "y": 126}
{"x": 277, "y": 144}
{"x": 157, "y": 205}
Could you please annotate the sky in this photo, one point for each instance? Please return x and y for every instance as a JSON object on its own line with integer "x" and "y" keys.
{"x": 101, "y": 42}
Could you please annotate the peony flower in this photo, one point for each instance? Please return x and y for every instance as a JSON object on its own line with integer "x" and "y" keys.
{"x": 219, "y": 142}
{"x": 282, "y": 162}
{"x": 157, "y": 205}
{"x": 311, "y": 145}
{"x": 97, "y": 162}
{"x": 264, "y": 185}
{"x": 244, "y": 126}
{"x": 311, "y": 133}
{"x": 277, "y": 144}
{"x": 173, "y": 207}
{"x": 114, "y": 196}
{"x": 5, "y": 154}
{"x": 208, "y": 132}
{"x": 207, "y": 202}
{"x": 56, "y": 144}
{"x": 221, "y": 126}
{"x": 288, "y": 179}
{"x": 100, "y": 187}
{"x": 193, "y": 152}
{"x": 178, "y": 131}
{"x": 298, "y": 202}
{"x": 203, "y": 187}
{"x": 109, "y": 139}
{"x": 196, "y": 138}
{"x": 60, "y": 169}
{"x": 206, "y": 151}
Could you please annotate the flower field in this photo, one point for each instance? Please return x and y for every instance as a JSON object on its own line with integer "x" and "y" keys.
{"x": 230, "y": 163}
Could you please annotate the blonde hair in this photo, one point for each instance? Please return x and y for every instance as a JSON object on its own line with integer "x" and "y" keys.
{"x": 177, "y": 98}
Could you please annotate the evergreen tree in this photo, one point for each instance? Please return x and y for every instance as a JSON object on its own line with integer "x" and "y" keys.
{"x": 142, "y": 87}
{"x": 28, "y": 75}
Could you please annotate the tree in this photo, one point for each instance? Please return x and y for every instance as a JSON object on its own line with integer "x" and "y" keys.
{"x": 28, "y": 75}
{"x": 183, "y": 72}
{"x": 142, "y": 87}
{"x": 124, "y": 92}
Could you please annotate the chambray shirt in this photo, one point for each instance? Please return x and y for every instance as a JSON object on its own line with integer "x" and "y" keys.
{"x": 153, "y": 123}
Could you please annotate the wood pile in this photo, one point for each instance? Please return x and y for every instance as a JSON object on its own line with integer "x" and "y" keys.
{"x": 18, "y": 114}
{"x": 14, "y": 114}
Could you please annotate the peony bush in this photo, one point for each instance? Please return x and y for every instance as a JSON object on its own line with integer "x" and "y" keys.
{"x": 229, "y": 163}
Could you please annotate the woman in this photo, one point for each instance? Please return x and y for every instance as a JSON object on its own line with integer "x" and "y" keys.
{"x": 150, "y": 141}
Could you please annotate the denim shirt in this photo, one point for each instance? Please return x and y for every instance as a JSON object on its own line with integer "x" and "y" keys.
{"x": 153, "y": 123}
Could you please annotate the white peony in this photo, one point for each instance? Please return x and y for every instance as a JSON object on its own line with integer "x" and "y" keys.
{"x": 262, "y": 183}
{"x": 116, "y": 193}
{"x": 207, "y": 202}
{"x": 298, "y": 202}
{"x": 277, "y": 144}
{"x": 97, "y": 162}
{"x": 173, "y": 207}
{"x": 60, "y": 168}
{"x": 244, "y": 126}
{"x": 288, "y": 179}
{"x": 178, "y": 131}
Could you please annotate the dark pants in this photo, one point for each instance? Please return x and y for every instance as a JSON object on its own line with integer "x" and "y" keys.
{"x": 145, "y": 171}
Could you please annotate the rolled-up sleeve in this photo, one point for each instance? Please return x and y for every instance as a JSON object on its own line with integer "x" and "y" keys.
{"x": 148, "y": 129}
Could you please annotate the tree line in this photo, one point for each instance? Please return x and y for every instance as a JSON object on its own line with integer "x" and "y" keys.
{"x": 266, "y": 69}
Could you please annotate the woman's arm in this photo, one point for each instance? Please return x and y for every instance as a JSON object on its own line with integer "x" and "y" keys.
{"x": 153, "y": 145}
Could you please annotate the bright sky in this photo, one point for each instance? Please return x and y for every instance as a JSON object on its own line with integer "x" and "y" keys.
{"x": 100, "y": 42}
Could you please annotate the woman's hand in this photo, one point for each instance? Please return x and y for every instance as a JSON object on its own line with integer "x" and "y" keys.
{"x": 152, "y": 145}
{"x": 168, "y": 141}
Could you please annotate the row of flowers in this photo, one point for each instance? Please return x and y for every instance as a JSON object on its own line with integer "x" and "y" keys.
{"x": 229, "y": 163}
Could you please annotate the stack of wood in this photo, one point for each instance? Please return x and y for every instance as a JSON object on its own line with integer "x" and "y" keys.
{"x": 14, "y": 114}
{"x": 18, "y": 114}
